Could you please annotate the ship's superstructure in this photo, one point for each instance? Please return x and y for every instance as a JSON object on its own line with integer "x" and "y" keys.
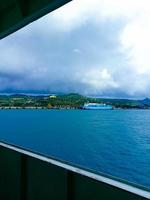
{"x": 97, "y": 106}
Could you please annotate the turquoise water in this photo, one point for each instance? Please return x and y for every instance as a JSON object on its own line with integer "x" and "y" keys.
{"x": 116, "y": 142}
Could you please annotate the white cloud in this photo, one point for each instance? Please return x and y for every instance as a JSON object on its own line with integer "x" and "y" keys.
{"x": 60, "y": 50}
{"x": 78, "y": 51}
{"x": 135, "y": 38}
{"x": 98, "y": 80}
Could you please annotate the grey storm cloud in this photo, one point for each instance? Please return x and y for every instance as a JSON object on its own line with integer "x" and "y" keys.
{"x": 88, "y": 59}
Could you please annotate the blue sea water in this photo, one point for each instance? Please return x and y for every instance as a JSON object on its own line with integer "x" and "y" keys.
{"x": 116, "y": 142}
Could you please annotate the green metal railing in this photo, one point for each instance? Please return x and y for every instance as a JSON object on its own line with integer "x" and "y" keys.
{"x": 25, "y": 175}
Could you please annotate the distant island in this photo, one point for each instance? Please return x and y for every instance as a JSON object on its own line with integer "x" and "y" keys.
{"x": 66, "y": 101}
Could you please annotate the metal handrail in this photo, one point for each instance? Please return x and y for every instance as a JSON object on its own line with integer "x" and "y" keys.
{"x": 112, "y": 181}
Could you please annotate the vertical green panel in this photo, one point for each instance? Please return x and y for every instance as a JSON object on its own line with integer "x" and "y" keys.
{"x": 9, "y": 175}
{"x": 38, "y": 4}
{"x": 89, "y": 189}
{"x": 10, "y": 18}
{"x": 45, "y": 181}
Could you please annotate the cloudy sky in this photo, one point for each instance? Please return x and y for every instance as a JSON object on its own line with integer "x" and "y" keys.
{"x": 98, "y": 47}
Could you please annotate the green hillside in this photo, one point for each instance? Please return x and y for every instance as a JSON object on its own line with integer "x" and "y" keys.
{"x": 67, "y": 101}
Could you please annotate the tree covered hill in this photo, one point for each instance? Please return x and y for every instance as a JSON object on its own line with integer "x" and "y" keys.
{"x": 67, "y": 101}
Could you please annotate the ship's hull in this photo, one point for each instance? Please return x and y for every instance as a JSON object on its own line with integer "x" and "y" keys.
{"x": 98, "y": 108}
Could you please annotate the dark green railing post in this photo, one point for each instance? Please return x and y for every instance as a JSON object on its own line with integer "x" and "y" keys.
{"x": 23, "y": 177}
{"x": 70, "y": 185}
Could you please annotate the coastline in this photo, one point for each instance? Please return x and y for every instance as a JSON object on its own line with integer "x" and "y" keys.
{"x": 60, "y": 108}
{"x": 37, "y": 108}
{"x": 68, "y": 102}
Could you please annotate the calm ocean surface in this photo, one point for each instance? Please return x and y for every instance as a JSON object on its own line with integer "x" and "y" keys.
{"x": 116, "y": 142}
